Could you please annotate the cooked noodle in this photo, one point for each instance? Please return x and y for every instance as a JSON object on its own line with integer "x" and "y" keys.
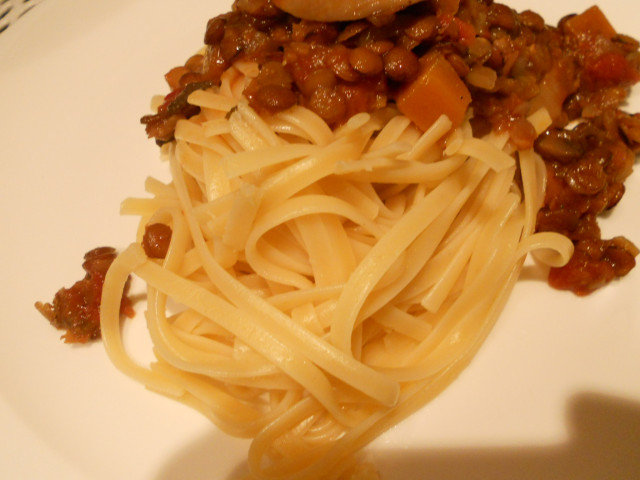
{"x": 333, "y": 282}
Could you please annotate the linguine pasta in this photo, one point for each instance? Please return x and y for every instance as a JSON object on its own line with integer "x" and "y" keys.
{"x": 324, "y": 284}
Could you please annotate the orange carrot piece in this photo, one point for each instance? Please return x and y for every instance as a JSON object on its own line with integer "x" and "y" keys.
{"x": 590, "y": 23}
{"x": 437, "y": 90}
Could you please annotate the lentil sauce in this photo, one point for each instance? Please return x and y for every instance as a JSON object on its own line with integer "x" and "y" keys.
{"x": 511, "y": 62}
{"x": 77, "y": 309}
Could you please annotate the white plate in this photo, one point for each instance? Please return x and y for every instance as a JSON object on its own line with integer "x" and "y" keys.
{"x": 554, "y": 392}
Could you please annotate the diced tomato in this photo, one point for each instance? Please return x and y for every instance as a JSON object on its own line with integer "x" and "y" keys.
{"x": 611, "y": 68}
{"x": 456, "y": 28}
{"x": 467, "y": 32}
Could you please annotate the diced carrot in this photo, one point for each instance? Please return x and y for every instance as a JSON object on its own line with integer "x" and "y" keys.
{"x": 590, "y": 23}
{"x": 437, "y": 90}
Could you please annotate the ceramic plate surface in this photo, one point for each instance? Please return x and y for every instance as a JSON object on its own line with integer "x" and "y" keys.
{"x": 553, "y": 393}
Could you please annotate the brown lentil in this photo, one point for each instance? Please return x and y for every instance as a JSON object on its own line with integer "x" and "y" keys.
{"x": 400, "y": 64}
{"x": 365, "y": 61}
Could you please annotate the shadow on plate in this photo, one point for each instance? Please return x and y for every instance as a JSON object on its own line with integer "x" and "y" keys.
{"x": 534, "y": 273}
{"x": 604, "y": 443}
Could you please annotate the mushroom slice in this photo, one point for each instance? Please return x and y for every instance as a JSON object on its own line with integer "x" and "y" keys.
{"x": 341, "y": 10}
